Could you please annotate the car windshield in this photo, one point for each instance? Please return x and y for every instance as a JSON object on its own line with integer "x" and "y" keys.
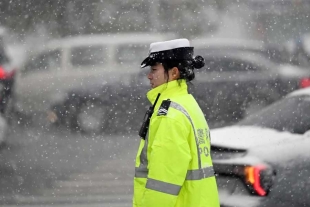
{"x": 290, "y": 114}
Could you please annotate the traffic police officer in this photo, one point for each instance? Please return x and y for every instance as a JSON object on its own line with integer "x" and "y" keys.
{"x": 173, "y": 164}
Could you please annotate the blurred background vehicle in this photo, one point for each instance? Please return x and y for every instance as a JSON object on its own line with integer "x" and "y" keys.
{"x": 66, "y": 81}
{"x": 233, "y": 83}
{"x": 264, "y": 159}
{"x": 7, "y": 78}
{"x": 124, "y": 103}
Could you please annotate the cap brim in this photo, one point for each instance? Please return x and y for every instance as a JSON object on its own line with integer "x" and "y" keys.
{"x": 146, "y": 62}
{"x": 183, "y": 53}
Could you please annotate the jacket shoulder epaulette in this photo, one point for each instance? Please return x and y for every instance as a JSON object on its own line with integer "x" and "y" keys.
{"x": 163, "y": 109}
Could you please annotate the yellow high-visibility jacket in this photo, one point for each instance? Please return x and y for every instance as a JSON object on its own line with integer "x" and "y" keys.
{"x": 173, "y": 164}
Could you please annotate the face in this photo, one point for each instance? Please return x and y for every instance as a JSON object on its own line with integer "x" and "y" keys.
{"x": 157, "y": 75}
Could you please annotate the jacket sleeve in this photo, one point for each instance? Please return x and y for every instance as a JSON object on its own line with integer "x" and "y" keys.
{"x": 168, "y": 163}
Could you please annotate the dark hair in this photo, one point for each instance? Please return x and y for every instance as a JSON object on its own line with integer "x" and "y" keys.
{"x": 186, "y": 67}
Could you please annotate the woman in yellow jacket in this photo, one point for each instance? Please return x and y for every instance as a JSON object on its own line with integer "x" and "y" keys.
{"x": 173, "y": 164}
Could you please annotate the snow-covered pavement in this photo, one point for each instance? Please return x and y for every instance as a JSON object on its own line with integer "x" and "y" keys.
{"x": 56, "y": 168}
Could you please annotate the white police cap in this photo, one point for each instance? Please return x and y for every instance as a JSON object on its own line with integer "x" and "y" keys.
{"x": 177, "y": 49}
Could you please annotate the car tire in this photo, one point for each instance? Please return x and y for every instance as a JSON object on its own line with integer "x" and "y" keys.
{"x": 92, "y": 117}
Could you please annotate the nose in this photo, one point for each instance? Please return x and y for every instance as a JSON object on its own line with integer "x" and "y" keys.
{"x": 149, "y": 75}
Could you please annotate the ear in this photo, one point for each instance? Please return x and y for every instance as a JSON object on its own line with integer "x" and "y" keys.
{"x": 174, "y": 73}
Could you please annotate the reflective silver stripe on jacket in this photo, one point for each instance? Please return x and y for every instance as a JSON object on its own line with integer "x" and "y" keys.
{"x": 199, "y": 174}
{"x": 163, "y": 187}
{"x": 180, "y": 108}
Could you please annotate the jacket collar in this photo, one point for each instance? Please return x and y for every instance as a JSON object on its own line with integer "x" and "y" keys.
{"x": 168, "y": 90}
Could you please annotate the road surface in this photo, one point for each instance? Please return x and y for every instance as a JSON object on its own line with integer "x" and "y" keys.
{"x": 54, "y": 167}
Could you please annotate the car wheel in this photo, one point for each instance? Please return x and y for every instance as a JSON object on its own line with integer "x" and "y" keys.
{"x": 92, "y": 117}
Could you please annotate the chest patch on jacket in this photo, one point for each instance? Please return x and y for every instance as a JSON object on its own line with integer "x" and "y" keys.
{"x": 163, "y": 109}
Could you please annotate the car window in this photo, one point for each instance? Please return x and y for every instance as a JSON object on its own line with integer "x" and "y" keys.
{"x": 89, "y": 55}
{"x": 228, "y": 65}
{"x": 131, "y": 53}
{"x": 289, "y": 114}
{"x": 46, "y": 61}
{"x": 274, "y": 53}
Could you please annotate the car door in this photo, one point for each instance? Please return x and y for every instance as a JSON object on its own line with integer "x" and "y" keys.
{"x": 38, "y": 83}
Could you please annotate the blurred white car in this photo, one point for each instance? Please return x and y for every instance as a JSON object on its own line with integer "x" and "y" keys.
{"x": 75, "y": 66}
